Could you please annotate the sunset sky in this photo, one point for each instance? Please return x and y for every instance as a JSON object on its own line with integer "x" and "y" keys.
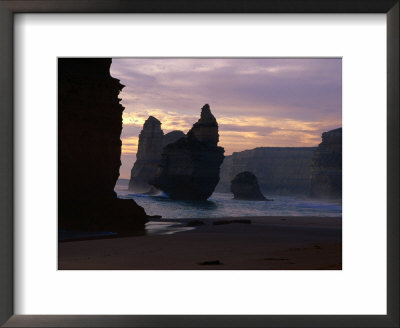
{"x": 258, "y": 102}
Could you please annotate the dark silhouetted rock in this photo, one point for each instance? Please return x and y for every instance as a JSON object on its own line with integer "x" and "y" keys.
{"x": 222, "y": 222}
{"x": 151, "y": 143}
{"x": 195, "y": 223}
{"x": 279, "y": 170}
{"x": 245, "y": 186}
{"x": 205, "y": 130}
{"x": 154, "y": 216}
{"x": 89, "y": 149}
{"x": 172, "y": 137}
{"x": 148, "y": 156}
{"x": 326, "y": 169}
{"x": 216, "y": 262}
{"x": 189, "y": 167}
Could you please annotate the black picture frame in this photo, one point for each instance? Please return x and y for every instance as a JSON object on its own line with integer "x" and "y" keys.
{"x": 10, "y": 7}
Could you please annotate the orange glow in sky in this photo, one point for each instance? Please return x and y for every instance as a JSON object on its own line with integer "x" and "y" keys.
{"x": 260, "y": 102}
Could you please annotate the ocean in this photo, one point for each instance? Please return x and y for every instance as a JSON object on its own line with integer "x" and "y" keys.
{"x": 223, "y": 205}
{"x": 219, "y": 205}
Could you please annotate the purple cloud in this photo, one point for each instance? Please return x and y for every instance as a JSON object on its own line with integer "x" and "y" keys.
{"x": 276, "y": 102}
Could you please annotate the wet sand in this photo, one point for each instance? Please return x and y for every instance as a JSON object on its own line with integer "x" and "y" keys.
{"x": 268, "y": 243}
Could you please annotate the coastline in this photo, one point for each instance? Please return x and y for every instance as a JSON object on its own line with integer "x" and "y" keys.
{"x": 267, "y": 243}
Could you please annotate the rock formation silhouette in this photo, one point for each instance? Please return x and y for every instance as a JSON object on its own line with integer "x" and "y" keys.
{"x": 148, "y": 155}
{"x": 245, "y": 187}
{"x": 151, "y": 143}
{"x": 326, "y": 169}
{"x": 279, "y": 170}
{"x": 89, "y": 149}
{"x": 189, "y": 167}
{"x": 172, "y": 137}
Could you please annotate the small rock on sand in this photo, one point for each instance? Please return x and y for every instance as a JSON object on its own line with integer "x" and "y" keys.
{"x": 244, "y": 221}
{"x": 216, "y": 262}
{"x": 195, "y": 223}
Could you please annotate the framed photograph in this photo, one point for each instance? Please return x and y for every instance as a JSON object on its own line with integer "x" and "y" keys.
{"x": 182, "y": 164}
{"x": 245, "y": 183}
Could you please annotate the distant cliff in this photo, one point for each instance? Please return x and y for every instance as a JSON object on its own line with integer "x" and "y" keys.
{"x": 326, "y": 170}
{"x": 189, "y": 168}
{"x": 151, "y": 143}
{"x": 280, "y": 170}
{"x": 89, "y": 149}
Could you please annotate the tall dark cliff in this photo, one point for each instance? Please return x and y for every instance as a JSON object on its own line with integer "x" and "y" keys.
{"x": 280, "y": 170}
{"x": 326, "y": 170}
{"x": 151, "y": 143}
{"x": 89, "y": 149}
{"x": 189, "y": 168}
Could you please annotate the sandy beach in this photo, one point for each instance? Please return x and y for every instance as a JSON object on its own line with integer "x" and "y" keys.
{"x": 267, "y": 243}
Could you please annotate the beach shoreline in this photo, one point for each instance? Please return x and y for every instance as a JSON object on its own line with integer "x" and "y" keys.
{"x": 230, "y": 243}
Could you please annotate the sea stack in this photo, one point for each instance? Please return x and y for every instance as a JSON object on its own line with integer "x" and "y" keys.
{"x": 89, "y": 149}
{"x": 171, "y": 137}
{"x": 151, "y": 143}
{"x": 326, "y": 168}
{"x": 245, "y": 187}
{"x": 148, "y": 156}
{"x": 189, "y": 167}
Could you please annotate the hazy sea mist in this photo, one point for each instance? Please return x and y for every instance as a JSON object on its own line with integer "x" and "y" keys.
{"x": 222, "y": 205}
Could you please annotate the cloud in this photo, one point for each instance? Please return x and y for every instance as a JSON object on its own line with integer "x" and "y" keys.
{"x": 129, "y": 145}
{"x": 281, "y": 87}
{"x": 257, "y": 101}
{"x": 169, "y": 120}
